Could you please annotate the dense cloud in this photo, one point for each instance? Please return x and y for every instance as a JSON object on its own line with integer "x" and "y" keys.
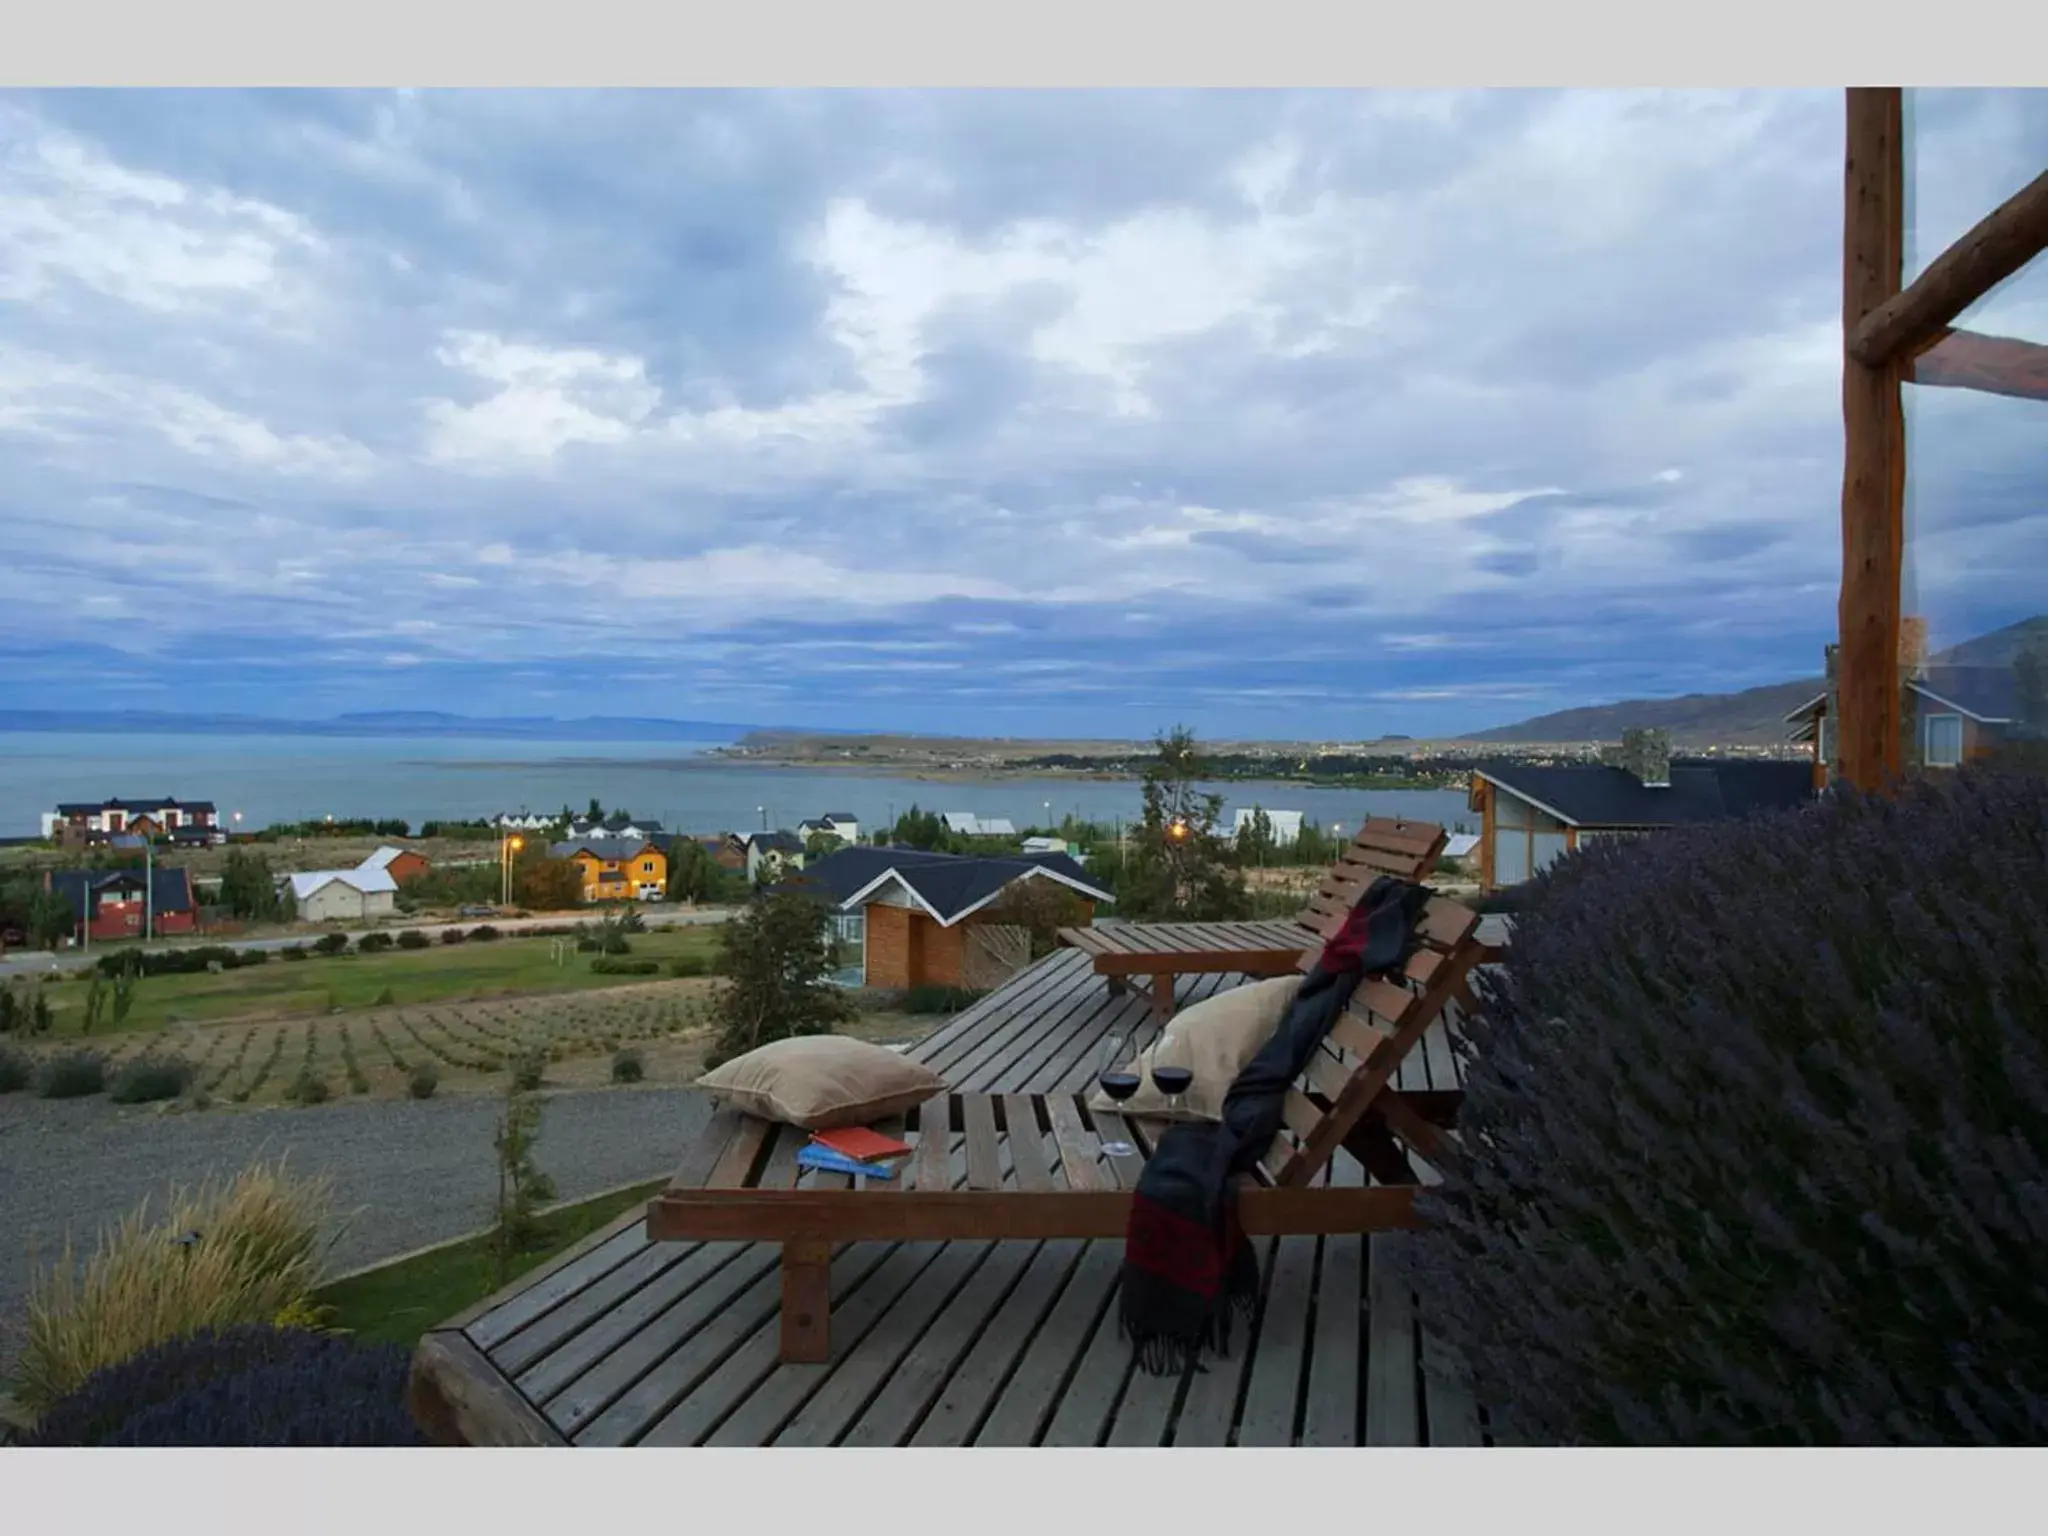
{"x": 1331, "y": 413}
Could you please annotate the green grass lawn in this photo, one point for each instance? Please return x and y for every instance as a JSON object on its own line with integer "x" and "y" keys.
{"x": 401, "y": 1301}
{"x": 414, "y": 977}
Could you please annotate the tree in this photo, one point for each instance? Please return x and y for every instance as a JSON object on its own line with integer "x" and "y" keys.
{"x": 1042, "y": 908}
{"x": 928, "y": 832}
{"x": 247, "y": 888}
{"x": 596, "y": 809}
{"x": 50, "y": 919}
{"x": 1254, "y": 842}
{"x": 693, "y": 874}
{"x": 821, "y": 845}
{"x": 1179, "y": 867}
{"x": 777, "y": 960}
{"x": 544, "y": 882}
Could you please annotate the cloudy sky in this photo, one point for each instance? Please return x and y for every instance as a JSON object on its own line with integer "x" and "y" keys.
{"x": 1323, "y": 414}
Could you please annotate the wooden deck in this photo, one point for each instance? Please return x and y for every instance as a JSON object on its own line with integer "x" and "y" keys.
{"x": 626, "y": 1342}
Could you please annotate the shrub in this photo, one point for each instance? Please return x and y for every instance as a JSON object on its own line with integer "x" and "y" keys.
{"x": 236, "y": 1253}
{"x": 293, "y": 952}
{"x": 74, "y": 1075}
{"x": 586, "y": 945}
{"x": 483, "y": 933}
{"x": 149, "y": 1078}
{"x": 606, "y": 965}
{"x": 253, "y": 957}
{"x": 17, "y": 1070}
{"x": 933, "y": 998}
{"x": 627, "y": 1067}
{"x": 689, "y": 965}
{"x": 412, "y": 938}
{"x": 1756, "y": 1134}
{"x": 330, "y": 944}
{"x": 307, "y": 1088}
{"x": 528, "y": 1067}
{"x": 251, "y": 1385}
{"x": 453, "y": 935}
{"x": 373, "y": 943}
{"x": 386, "y": 998}
{"x": 425, "y": 1078}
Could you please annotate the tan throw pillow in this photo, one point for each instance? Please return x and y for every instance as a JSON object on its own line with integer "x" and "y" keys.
{"x": 822, "y": 1081}
{"x": 1215, "y": 1040}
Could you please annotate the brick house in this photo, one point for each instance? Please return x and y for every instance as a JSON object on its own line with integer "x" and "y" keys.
{"x": 401, "y": 864}
{"x": 111, "y": 904}
{"x": 911, "y": 913}
{"x": 161, "y": 815}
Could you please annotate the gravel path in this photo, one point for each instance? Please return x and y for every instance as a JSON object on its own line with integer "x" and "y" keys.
{"x": 409, "y": 1173}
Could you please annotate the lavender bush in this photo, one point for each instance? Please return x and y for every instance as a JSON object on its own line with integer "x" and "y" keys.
{"x": 1756, "y": 1134}
{"x": 241, "y": 1387}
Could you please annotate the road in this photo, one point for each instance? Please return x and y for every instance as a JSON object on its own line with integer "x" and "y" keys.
{"x": 31, "y": 962}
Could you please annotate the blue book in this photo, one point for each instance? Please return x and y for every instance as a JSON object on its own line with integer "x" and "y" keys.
{"x": 828, "y": 1161}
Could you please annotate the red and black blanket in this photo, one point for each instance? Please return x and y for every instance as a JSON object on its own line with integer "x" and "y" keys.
{"x": 1187, "y": 1267}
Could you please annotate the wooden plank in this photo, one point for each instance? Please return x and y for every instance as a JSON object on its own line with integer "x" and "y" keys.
{"x": 1009, "y": 1336}
{"x": 984, "y": 1146}
{"x": 736, "y": 1166}
{"x": 561, "y": 1371}
{"x": 931, "y": 1157}
{"x": 1269, "y": 1404}
{"x": 1995, "y": 365}
{"x": 1027, "y": 1142}
{"x": 457, "y": 1398}
{"x": 1391, "y": 1404}
{"x": 806, "y": 1319}
{"x": 1080, "y": 1150}
{"x": 1082, "y": 1416}
{"x": 561, "y": 1279}
{"x": 1873, "y": 462}
{"x": 524, "y": 1349}
{"x": 705, "y": 1152}
{"x": 1996, "y": 247}
{"x": 1447, "y": 1399}
{"x": 1025, "y": 1407}
{"x": 1209, "y": 1406}
{"x": 1330, "y": 1406}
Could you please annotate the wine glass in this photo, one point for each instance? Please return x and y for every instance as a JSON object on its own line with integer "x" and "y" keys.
{"x": 1119, "y": 1082}
{"x": 1170, "y": 1073}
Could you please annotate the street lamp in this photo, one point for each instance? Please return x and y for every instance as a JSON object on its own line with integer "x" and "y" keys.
{"x": 762, "y": 812}
{"x": 506, "y": 850}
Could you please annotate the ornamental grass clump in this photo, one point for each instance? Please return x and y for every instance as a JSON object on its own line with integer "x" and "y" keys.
{"x": 1756, "y": 1134}
{"x": 241, "y": 1252}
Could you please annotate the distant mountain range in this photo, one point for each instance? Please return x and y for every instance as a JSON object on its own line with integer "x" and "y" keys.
{"x": 380, "y": 723}
{"x": 1753, "y": 717}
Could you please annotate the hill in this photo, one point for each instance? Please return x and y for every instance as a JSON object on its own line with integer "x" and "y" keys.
{"x": 1753, "y": 717}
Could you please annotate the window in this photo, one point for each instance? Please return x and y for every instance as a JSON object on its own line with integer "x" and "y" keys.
{"x": 1943, "y": 746}
{"x": 647, "y": 866}
{"x": 1825, "y": 740}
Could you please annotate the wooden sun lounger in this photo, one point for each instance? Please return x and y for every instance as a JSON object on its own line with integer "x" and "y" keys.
{"x": 1029, "y": 1166}
{"x": 1165, "y": 952}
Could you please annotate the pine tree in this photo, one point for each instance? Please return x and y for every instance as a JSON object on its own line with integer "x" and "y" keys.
{"x": 1179, "y": 866}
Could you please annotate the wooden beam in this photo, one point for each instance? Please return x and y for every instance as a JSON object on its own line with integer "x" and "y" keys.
{"x": 1996, "y": 365}
{"x": 1874, "y": 444}
{"x": 2004, "y": 241}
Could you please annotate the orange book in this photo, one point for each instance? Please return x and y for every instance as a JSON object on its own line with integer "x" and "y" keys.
{"x": 860, "y": 1143}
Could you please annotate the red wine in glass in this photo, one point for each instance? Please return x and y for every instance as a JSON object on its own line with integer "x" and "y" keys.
{"x": 1119, "y": 1082}
{"x": 1173, "y": 1082}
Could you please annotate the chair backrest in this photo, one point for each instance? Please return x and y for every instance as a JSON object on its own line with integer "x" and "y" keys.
{"x": 1407, "y": 850}
{"x": 1385, "y": 1020}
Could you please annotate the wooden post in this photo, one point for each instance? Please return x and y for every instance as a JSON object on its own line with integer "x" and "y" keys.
{"x": 1874, "y": 444}
{"x": 807, "y": 1302}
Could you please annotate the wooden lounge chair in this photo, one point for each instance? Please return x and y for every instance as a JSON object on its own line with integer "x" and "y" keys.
{"x": 1407, "y": 850}
{"x": 1029, "y": 1166}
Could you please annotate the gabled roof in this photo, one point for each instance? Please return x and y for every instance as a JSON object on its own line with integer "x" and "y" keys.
{"x": 369, "y": 881}
{"x": 1595, "y": 795}
{"x": 170, "y": 889}
{"x": 948, "y": 886}
{"x": 970, "y": 825}
{"x": 776, "y": 842}
{"x": 611, "y": 849}
{"x": 383, "y": 857}
{"x": 166, "y": 803}
{"x": 1987, "y": 694}
{"x": 836, "y": 816}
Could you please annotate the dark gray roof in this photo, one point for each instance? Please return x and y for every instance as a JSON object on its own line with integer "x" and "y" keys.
{"x": 777, "y": 842}
{"x": 840, "y": 816}
{"x": 1589, "y": 795}
{"x": 947, "y": 883}
{"x": 613, "y": 849}
{"x": 86, "y": 807}
{"x": 170, "y": 889}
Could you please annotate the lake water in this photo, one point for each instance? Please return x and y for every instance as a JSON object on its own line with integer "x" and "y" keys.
{"x": 302, "y": 778}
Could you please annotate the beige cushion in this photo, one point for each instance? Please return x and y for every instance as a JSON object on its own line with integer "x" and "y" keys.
{"x": 1215, "y": 1040}
{"x": 822, "y": 1081}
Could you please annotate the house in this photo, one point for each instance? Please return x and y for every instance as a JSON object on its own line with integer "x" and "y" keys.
{"x": 637, "y": 829}
{"x": 1046, "y": 845}
{"x": 1531, "y": 814}
{"x": 523, "y": 821}
{"x": 344, "y": 895}
{"x": 967, "y": 824}
{"x": 1953, "y": 715}
{"x": 1286, "y": 825}
{"x": 729, "y": 850}
{"x": 192, "y": 835}
{"x": 162, "y": 815}
{"x": 401, "y": 864}
{"x": 776, "y": 853}
{"x": 617, "y": 868}
{"x": 1460, "y": 845}
{"x": 911, "y": 913}
{"x": 111, "y": 902}
{"x": 832, "y": 824}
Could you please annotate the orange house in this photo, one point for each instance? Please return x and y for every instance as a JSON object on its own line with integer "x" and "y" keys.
{"x": 617, "y": 869}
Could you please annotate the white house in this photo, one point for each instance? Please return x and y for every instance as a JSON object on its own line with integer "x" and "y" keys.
{"x": 1046, "y": 845}
{"x": 344, "y": 895}
{"x": 522, "y": 821}
{"x": 967, "y": 824}
{"x": 833, "y": 824}
{"x": 779, "y": 853}
{"x": 1286, "y": 825}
